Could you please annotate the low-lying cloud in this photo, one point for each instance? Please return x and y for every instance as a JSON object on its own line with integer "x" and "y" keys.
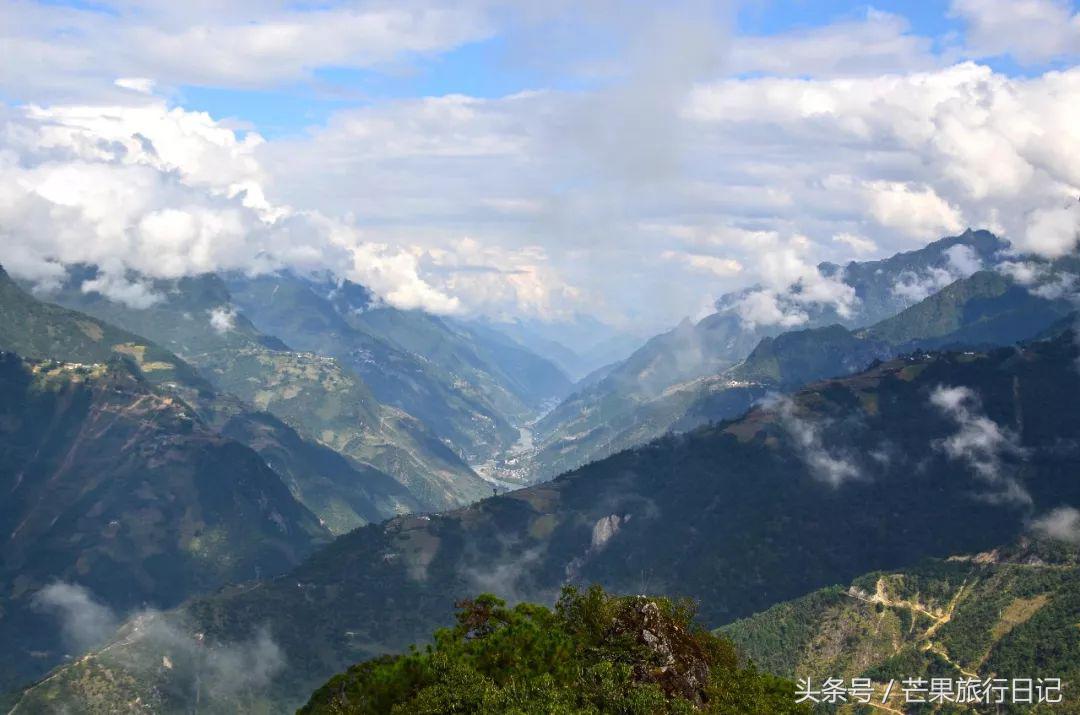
{"x": 84, "y": 623}
{"x": 961, "y": 262}
{"x": 829, "y": 465}
{"x": 981, "y": 444}
{"x": 1060, "y": 524}
{"x": 157, "y": 646}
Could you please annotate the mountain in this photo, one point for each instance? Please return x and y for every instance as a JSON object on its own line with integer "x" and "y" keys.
{"x": 540, "y": 382}
{"x": 121, "y": 488}
{"x": 398, "y": 355}
{"x": 653, "y": 391}
{"x": 34, "y": 328}
{"x": 986, "y": 309}
{"x": 343, "y": 492}
{"x": 589, "y": 424}
{"x": 927, "y": 455}
{"x": 1006, "y": 613}
{"x": 316, "y": 395}
{"x": 578, "y": 344}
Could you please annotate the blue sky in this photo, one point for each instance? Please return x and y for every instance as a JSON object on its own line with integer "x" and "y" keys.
{"x": 488, "y": 67}
{"x": 623, "y": 158}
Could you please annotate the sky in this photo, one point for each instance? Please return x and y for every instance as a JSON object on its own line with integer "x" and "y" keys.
{"x": 629, "y": 161}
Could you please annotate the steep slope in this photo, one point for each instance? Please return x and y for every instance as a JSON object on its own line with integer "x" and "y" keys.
{"x": 412, "y": 361}
{"x": 1008, "y": 613}
{"x": 986, "y": 309}
{"x": 850, "y": 475}
{"x": 345, "y": 493}
{"x": 587, "y": 425}
{"x": 537, "y": 381}
{"x": 34, "y": 328}
{"x": 315, "y": 395}
{"x": 123, "y": 489}
{"x": 321, "y": 399}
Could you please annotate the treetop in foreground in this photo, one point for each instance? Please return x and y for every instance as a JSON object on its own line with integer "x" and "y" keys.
{"x": 592, "y": 653}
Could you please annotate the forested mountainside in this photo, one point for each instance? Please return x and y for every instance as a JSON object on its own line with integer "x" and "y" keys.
{"x": 123, "y": 488}
{"x": 468, "y": 391}
{"x": 313, "y": 393}
{"x": 1006, "y": 613}
{"x": 985, "y": 309}
{"x": 926, "y": 455}
{"x": 342, "y": 491}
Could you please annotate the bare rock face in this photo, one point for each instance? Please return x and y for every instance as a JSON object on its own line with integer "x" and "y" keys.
{"x": 678, "y": 663}
{"x": 604, "y": 529}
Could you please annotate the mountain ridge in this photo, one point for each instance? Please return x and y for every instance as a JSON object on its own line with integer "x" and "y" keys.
{"x": 739, "y": 515}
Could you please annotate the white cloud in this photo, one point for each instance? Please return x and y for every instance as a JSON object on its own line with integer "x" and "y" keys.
{"x": 981, "y": 443}
{"x": 916, "y": 211}
{"x": 858, "y": 244}
{"x": 896, "y": 160}
{"x": 142, "y": 85}
{"x": 714, "y": 265}
{"x": 167, "y": 193}
{"x": 1052, "y": 232}
{"x": 156, "y": 641}
{"x": 877, "y": 43}
{"x": 961, "y": 262}
{"x": 1060, "y": 524}
{"x": 791, "y": 286}
{"x": 765, "y": 307}
{"x": 866, "y": 144}
{"x": 132, "y": 293}
{"x": 828, "y": 465}
{"x": 1030, "y": 30}
{"x": 223, "y": 319}
{"x": 54, "y": 48}
{"x": 84, "y": 623}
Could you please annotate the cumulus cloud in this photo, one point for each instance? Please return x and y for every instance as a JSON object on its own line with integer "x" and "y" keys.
{"x": 856, "y": 129}
{"x": 830, "y": 466}
{"x": 1060, "y": 524}
{"x": 1052, "y": 232}
{"x": 1046, "y": 279}
{"x": 133, "y": 293}
{"x": 167, "y": 193}
{"x": 961, "y": 262}
{"x": 792, "y": 286}
{"x": 980, "y": 443}
{"x": 876, "y": 43}
{"x": 915, "y": 210}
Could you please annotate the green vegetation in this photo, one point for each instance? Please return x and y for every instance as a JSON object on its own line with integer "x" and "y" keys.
{"x": 1008, "y": 613}
{"x": 122, "y": 489}
{"x": 594, "y": 653}
{"x": 713, "y": 370}
{"x": 313, "y": 394}
{"x": 736, "y": 516}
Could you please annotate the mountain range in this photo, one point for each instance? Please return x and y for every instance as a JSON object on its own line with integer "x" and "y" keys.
{"x": 263, "y": 479}
{"x": 695, "y": 373}
{"x": 873, "y": 471}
